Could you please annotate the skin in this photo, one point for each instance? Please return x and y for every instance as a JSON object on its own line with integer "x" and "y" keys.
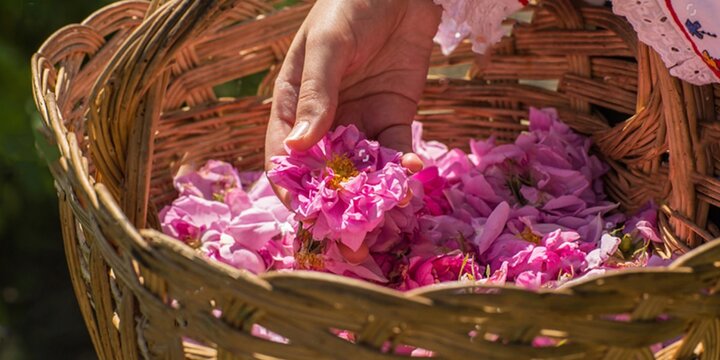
{"x": 361, "y": 62}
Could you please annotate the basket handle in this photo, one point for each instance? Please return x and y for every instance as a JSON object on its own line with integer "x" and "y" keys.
{"x": 126, "y": 99}
{"x": 155, "y": 4}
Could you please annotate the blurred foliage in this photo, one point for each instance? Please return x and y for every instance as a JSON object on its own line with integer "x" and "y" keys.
{"x": 246, "y": 86}
{"x": 39, "y": 318}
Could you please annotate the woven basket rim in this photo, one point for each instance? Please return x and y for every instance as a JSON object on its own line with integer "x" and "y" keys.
{"x": 95, "y": 211}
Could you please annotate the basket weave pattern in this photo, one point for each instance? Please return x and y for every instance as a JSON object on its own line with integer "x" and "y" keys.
{"x": 129, "y": 95}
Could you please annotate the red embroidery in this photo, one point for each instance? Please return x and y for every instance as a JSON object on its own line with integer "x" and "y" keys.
{"x": 711, "y": 62}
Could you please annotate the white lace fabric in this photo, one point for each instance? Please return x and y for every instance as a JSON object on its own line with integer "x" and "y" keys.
{"x": 683, "y": 34}
{"x": 655, "y": 26}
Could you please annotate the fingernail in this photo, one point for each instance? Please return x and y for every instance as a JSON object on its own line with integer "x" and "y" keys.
{"x": 412, "y": 163}
{"x": 298, "y": 131}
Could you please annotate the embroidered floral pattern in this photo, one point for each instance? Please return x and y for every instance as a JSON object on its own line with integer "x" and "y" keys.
{"x": 697, "y": 22}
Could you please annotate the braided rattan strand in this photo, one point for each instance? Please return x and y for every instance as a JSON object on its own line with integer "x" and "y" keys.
{"x": 130, "y": 94}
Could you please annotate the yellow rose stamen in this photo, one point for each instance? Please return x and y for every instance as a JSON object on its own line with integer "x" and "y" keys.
{"x": 343, "y": 170}
{"x": 468, "y": 260}
{"x": 309, "y": 257}
{"x": 309, "y": 261}
{"x": 528, "y": 235}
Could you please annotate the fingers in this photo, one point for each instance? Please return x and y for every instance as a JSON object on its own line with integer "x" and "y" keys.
{"x": 275, "y": 134}
{"x": 322, "y": 73}
{"x": 412, "y": 162}
{"x": 284, "y": 106}
{"x": 399, "y": 137}
{"x": 285, "y": 98}
{"x": 385, "y": 116}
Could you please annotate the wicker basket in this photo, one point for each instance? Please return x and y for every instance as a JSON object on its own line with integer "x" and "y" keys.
{"x": 130, "y": 94}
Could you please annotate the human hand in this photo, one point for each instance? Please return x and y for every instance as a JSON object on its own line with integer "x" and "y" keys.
{"x": 361, "y": 62}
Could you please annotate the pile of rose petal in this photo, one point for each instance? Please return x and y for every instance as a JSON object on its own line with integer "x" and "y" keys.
{"x": 532, "y": 213}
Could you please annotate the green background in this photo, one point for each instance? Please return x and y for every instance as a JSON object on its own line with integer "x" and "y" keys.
{"x": 39, "y": 318}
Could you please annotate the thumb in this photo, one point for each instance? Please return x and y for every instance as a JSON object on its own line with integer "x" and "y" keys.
{"x": 325, "y": 64}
